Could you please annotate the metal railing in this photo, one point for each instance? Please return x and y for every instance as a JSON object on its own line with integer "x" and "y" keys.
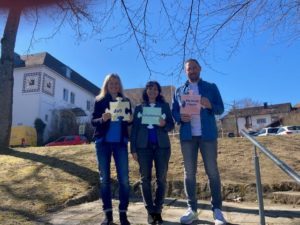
{"x": 282, "y": 165}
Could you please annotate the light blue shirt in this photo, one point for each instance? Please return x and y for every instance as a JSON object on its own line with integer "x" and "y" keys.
{"x": 195, "y": 119}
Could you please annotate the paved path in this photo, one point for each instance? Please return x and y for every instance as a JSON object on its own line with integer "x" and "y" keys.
{"x": 235, "y": 213}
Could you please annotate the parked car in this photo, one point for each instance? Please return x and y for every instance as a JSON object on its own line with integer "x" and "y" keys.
{"x": 288, "y": 130}
{"x": 69, "y": 140}
{"x": 230, "y": 134}
{"x": 267, "y": 131}
{"x": 252, "y": 133}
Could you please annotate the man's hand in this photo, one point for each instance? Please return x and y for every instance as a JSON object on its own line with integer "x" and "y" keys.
{"x": 185, "y": 117}
{"x": 205, "y": 103}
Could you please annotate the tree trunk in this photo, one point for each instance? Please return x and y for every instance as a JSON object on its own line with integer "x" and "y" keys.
{"x": 6, "y": 75}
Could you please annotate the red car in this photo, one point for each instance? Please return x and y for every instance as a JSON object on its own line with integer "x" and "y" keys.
{"x": 69, "y": 140}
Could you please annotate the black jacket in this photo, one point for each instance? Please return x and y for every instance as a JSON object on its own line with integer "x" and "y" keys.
{"x": 139, "y": 132}
{"x": 102, "y": 127}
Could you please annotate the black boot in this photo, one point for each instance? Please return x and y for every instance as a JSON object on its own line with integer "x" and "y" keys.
{"x": 158, "y": 218}
{"x": 151, "y": 218}
{"x": 123, "y": 219}
{"x": 108, "y": 220}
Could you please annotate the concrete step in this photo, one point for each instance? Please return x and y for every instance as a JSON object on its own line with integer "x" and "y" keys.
{"x": 235, "y": 213}
{"x": 286, "y": 197}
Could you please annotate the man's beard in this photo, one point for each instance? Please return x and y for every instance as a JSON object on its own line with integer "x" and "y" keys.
{"x": 194, "y": 77}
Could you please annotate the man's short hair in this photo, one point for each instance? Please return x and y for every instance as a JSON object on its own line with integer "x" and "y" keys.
{"x": 192, "y": 60}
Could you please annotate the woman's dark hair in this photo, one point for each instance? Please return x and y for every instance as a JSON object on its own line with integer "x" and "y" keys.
{"x": 159, "y": 97}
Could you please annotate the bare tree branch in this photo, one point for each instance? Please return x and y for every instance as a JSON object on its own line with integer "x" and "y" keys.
{"x": 187, "y": 32}
{"x": 136, "y": 38}
{"x": 33, "y": 31}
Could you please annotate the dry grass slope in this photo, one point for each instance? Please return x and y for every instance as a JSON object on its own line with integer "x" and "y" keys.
{"x": 36, "y": 180}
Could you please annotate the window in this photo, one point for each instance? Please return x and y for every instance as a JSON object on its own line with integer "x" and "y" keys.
{"x": 61, "y": 139}
{"x": 65, "y": 95}
{"x": 88, "y": 105}
{"x": 261, "y": 120}
{"x": 72, "y": 96}
{"x": 70, "y": 138}
{"x": 46, "y": 117}
{"x": 280, "y": 130}
{"x": 83, "y": 138}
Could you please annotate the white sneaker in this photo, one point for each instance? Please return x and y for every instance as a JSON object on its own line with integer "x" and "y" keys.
{"x": 189, "y": 217}
{"x": 219, "y": 218}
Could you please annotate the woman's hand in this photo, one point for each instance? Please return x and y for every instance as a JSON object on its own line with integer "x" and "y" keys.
{"x": 106, "y": 116}
{"x": 130, "y": 118}
{"x": 134, "y": 156}
{"x": 162, "y": 122}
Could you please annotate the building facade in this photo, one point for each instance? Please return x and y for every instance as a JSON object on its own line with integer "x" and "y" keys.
{"x": 44, "y": 87}
{"x": 254, "y": 118}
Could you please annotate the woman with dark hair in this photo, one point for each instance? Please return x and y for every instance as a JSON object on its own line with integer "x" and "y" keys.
{"x": 150, "y": 143}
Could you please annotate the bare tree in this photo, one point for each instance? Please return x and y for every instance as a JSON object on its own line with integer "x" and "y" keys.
{"x": 6, "y": 75}
{"x": 190, "y": 28}
{"x": 245, "y": 103}
{"x": 182, "y": 29}
{"x": 77, "y": 12}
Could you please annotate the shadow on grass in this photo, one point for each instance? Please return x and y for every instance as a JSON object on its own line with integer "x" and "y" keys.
{"x": 268, "y": 213}
{"x": 86, "y": 174}
{"x": 20, "y": 212}
{"x": 34, "y": 193}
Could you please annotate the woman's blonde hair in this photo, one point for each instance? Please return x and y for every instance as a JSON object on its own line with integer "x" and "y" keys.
{"x": 104, "y": 89}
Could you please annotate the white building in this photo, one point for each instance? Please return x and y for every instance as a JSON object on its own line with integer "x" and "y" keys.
{"x": 43, "y": 86}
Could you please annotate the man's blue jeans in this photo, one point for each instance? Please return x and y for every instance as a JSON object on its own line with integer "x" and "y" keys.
{"x": 160, "y": 157}
{"x": 208, "y": 150}
{"x": 119, "y": 151}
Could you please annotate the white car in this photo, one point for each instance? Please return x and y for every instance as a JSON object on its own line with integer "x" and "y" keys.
{"x": 267, "y": 131}
{"x": 288, "y": 130}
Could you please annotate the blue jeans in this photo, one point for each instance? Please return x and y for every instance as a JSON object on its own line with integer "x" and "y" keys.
{"x": 119, "y": 151}
{"x": 160, "y": 157}
{"x": 208, "y": 150}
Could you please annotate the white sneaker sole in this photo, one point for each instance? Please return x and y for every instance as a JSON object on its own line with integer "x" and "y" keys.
{"x": 190, "y": 222}
{"x": 219, "y": 222}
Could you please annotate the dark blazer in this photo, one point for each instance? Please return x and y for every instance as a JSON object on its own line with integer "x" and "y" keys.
{"x": 139, "y": 132}
{"x": 101, "y": 127}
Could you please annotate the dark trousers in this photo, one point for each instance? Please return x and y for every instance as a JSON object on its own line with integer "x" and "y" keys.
{"x": 160, "y": 157}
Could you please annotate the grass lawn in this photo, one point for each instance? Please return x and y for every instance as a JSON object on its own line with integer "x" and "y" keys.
{"x": 36, "y": 180}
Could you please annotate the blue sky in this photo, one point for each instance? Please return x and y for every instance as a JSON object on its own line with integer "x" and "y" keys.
{"x": 259, "y": 70}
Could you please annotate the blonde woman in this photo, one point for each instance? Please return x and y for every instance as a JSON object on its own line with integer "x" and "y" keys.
{"x": 111, "y": 138}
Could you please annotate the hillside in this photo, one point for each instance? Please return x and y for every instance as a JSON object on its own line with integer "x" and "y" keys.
{"x": 35, "y": 180}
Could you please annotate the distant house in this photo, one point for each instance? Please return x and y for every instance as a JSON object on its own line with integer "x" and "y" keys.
{"x": 297, "y": 106}
{"x": 254, "y": 118}
{"x": 44, "y": 87}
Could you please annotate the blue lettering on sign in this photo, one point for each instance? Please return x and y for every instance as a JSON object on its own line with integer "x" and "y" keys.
{"x": 118, "y": 111}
